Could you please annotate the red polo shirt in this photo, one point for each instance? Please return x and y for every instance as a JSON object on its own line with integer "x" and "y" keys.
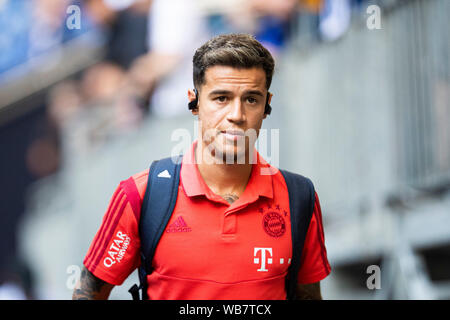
{"x": 210, "y": 249}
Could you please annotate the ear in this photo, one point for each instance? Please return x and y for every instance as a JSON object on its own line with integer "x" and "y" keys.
{"x": 192, "y": 97}
{"x": 268, "y": 102}
{"x": 270, "y": 97}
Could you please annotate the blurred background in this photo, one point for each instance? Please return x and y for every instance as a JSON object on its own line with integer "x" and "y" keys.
{"x": 91, "y": 92}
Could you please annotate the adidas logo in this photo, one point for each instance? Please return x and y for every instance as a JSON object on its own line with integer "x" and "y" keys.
{"x": 164, "y": 174}
{"x": 179, "y": 225}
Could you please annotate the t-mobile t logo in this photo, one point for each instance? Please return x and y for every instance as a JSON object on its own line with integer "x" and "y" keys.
{"x": 263, "y": 258}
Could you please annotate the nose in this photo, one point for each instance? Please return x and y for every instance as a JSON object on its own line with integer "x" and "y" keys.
{"x": 236, "y": 112}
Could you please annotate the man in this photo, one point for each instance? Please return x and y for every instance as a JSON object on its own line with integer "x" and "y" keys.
{"x": 229, "y": 236}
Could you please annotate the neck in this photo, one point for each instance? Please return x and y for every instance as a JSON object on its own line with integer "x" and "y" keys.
{"x": 225, "y": 179}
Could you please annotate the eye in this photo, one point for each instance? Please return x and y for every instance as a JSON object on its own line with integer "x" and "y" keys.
{"x": 221, "y": 99}
{"x": 252, "y": 100}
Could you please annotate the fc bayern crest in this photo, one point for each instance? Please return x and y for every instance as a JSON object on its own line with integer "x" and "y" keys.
{"x": 274, "y": 224}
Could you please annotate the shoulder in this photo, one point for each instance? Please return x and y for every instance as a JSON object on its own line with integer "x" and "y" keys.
{"x": 285, "y": 178}
{"x": 300, "y": 189}
{"x": 134, "y": 188}
{"x": 140, "y": 180}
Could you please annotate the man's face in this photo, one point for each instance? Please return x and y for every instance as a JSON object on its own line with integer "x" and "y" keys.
{"x": 231, "y": 110}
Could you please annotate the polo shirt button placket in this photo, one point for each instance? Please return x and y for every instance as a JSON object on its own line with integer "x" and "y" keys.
{"x": 229, "y": 228}
{"x": 229, "y": 224}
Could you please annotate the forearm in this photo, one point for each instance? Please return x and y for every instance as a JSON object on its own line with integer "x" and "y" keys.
{"x": 309, "y": 291}
{"x": 89, "y": 287}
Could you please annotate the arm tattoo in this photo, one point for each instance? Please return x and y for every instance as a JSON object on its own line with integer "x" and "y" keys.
{"x": 230, "y": 198}
{"x": 90, "y": 287}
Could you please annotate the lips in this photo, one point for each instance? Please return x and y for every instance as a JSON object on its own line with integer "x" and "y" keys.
{"x": 233, "y": 134}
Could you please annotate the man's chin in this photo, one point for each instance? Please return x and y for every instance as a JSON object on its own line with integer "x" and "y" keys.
{"x": 231, "y": 155}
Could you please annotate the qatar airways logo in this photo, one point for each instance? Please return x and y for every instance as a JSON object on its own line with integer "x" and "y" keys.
{"x": 117, "y": 249}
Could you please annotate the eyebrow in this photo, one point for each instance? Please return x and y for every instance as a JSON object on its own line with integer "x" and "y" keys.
{"x": 219, "y": 92}
{"x": 255, "y": 92}
{"x": 225, "y": 92}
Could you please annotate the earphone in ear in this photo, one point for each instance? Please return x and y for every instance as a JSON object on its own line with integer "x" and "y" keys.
{"x": 193, "y": 104}
{"x": 268, "y": 108}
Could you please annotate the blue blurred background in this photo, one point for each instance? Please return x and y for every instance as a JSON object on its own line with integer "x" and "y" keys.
{"x": 91, "y": 92}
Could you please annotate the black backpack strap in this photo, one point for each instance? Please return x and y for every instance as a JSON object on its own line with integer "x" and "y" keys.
{"x": 301, "y": 204}
{"x": 157, "y": 206}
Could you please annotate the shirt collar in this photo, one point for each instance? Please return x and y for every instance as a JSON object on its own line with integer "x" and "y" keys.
{"x": 259, "y": 184}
